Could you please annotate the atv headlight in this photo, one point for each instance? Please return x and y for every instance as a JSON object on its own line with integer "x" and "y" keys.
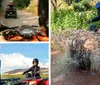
{"x": 32, "y": 82}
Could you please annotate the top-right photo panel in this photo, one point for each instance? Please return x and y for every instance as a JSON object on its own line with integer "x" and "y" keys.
{"x": 75, "y": 42}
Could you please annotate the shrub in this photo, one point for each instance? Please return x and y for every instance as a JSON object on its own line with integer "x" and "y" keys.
{"x": 82, "y": 5}
{"x": 0, "y": 2}
{"x": 69, "y": 19}
{"x": 21, "y": 3}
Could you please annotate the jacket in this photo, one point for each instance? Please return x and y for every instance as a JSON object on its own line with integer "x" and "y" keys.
{"x": 35, "y": 70}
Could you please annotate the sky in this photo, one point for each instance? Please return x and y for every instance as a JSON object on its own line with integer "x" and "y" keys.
{"x": 17, "y": 56}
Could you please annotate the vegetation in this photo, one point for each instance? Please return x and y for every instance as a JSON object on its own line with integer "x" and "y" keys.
{"x": 0, "y": 5}
{"x": 43, "y": 75}
{"x": 74, "y": 16}
{"x": 33, "y": 7}
{"x": 22, "y": 76}
{"x": 21, "y": 3}
{"x": 0, "y": 2}
{"x": 29, "y": 5}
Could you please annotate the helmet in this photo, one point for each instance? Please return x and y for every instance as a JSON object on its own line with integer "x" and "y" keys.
{"x": 28, "y": 75}
{"x": 36, "y": 60}
{"x": 11, "y": 1}
{"x": 97, "y": 5}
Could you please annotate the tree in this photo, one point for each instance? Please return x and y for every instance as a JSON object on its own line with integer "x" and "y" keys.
{"x": 55, "y": 4}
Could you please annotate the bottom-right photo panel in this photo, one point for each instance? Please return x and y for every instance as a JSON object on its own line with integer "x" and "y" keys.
{"x": 75, "y": 44}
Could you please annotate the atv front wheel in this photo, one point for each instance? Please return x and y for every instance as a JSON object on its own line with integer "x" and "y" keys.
{"x": 15, "y": 16}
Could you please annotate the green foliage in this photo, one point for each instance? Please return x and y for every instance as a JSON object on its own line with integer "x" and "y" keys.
{"x": 69, "y": 19}
{"x": 33, "y": 7}
{"x": 81, "y": 5}
{"x": 22, "y": 76}
{"x": 0, "y": 2}
{"x": 21, "y": 3}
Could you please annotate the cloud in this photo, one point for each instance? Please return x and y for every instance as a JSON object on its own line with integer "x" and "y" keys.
{"x": 17, "y": 61}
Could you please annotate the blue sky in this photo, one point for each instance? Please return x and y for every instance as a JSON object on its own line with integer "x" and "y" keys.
{"x": 38, "y": 50}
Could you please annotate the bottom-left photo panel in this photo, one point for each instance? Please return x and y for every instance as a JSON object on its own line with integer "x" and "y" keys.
{"x": 24, "y": 64}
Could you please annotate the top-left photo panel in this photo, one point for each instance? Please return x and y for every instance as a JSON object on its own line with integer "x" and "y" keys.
{"x": 24, "y": 20}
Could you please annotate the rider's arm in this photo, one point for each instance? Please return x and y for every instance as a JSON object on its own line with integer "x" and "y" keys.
{"x": 27, "y": 71}
{"x": 95, "y": 19}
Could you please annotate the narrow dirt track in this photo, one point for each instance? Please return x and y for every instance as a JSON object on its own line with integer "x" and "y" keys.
{"x": 24, "y": 18}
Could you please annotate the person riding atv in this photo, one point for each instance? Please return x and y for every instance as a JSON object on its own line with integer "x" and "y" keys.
{"x": 97, "y": 6}
{"x": 35, "y": 69}
{"x": 10, "y": 10}
{"x": 11, "y": 5}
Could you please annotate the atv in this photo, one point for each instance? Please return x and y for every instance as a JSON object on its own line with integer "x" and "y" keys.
{"x": 25, "y": 33}
{"x": 29, "y": 80}
{"x": 11, "y": 12}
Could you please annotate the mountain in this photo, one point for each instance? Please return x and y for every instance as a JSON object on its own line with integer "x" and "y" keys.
{"x": 20, "y": 71}
{"x": 15, "y": 71}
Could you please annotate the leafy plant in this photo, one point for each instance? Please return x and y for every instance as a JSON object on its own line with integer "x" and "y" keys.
{"x": 69, "y": 19}
{"x": 21, "y": 3}
{"x": 83, "y": 5}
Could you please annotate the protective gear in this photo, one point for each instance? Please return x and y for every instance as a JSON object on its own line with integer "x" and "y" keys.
{"x": 97, "y": 5}
{"x": 36, "y": 60}
{"x": 11, "y": 1}
{"x": 35, "y": 71}
{"x": 11, "y": 4}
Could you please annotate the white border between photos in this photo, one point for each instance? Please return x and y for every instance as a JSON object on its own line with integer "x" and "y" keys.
{"x": 49, "y": 42}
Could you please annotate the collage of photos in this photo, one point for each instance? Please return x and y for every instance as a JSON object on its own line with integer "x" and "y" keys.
{"x": 49, "y": 42}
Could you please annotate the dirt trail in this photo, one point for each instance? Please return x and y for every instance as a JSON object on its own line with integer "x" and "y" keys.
{"x": 24, "y": 18}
